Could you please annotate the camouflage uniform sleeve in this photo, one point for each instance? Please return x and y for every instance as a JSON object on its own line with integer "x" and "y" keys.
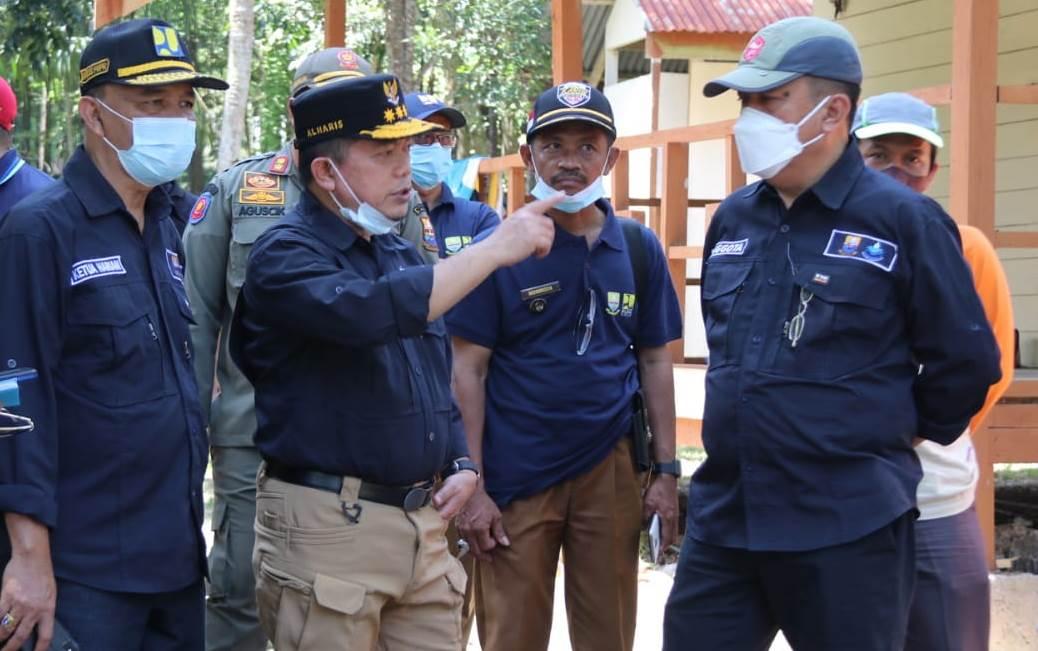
{"x": 206, "y": 242}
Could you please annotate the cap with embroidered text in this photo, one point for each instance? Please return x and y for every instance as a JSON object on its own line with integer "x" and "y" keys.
{"x": 142, "y": 52}
{"x": 571, "y": 101}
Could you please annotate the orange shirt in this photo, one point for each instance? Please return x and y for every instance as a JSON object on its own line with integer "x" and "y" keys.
{"x": 993, "y": 289}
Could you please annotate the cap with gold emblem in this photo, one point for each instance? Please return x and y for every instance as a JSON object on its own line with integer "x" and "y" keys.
{"x": 142, "y": 52}
{"x": 365, "y": 107}
{"x": 328, "y": 65}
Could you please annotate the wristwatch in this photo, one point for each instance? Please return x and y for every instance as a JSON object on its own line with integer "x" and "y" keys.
{"x": 464, "y": 463}
{"x": 672, "y": 468}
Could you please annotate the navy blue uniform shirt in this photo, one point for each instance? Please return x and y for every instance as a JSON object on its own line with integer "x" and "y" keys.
{"x": 18, "y": 180}
{"x": 456, "y": 222}
{"x": 810, "y": 445}
{"x": 552, "y": 413}
{"x": 332, "y": 331}
{"x": 182, "y": 203}
{"x": 115, "y": 464}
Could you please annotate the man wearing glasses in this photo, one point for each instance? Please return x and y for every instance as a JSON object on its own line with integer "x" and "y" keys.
{"x": 449, "y": 223}
{"x": 548, "y": 357}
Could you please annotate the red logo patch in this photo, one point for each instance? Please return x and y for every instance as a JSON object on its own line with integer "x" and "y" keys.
{"x": 753, "y": 49}
{"x": 201, "y": 208}
{"x": 348, "y": 60}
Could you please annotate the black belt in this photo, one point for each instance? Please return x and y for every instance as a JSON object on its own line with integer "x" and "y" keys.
{"x": 408, "y": 498}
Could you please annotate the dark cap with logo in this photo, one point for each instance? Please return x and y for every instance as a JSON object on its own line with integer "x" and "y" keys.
{"x": 142, "y": 52}
{"x": 422, "y": 105}
{"x": 370, "y": 108}
{"x": 571, "y": 101}
{"x": 791, "y": 48}
{"x": 328, "y": 65}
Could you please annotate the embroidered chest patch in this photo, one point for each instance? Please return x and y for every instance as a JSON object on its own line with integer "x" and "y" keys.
{"x": 729, "y": 247}
{"x": 863, "y": 248}
{"x": 176, "y": 267}
{"x": 85, "y": 270}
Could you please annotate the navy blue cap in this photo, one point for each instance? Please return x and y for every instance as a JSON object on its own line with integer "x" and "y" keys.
{"x": 571, "y": 101}
{"x": 422, "y": 105}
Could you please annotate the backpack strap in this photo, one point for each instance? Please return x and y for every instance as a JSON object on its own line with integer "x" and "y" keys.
{"x": 632, "y": 231}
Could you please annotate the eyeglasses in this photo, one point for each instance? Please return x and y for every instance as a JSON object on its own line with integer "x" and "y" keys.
{"x": 585, "y": 322}
{"x": 12, "y": 423}
{"x": 443, "y": 138}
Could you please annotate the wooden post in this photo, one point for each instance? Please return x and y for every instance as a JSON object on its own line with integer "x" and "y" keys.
{"x": 567, "y": 41}
{"x": 516, "y": 188}
{"x": 973, "y": 111}
{"x": 105, "y": 11}
{"x": 620, "y": 181}
{"x": 674, "y": 222}
{"x": 734, "y": 177}
{"x": 334, "y": 23}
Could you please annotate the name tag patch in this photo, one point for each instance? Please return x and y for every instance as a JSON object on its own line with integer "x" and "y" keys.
{"x": 176, "y": 268}
{"x": 85, "y": 270}
{"x": 540, "y": 291}
{"x": 729, "y": 247}
{"x": 864, "y": 248}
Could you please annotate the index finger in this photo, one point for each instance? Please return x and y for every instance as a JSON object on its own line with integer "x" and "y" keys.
{"x": 543, "y": 205}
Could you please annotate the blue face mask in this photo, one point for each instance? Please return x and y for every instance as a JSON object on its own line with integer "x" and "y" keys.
{"x": 161, "y": 149}
{"x": 430, "y": 165}
{"x": 366, "y": 216}
{"x": 573, "y": 202}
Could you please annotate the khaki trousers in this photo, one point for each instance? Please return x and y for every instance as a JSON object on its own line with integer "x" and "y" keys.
{"x": 595, "y": 520}
{"x": 323, "y": 583}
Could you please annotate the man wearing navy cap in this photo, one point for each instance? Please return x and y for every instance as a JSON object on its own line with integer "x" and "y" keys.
{"x": 842, "y": 327}
{"x": 549, "y": 358}
{"x": 18, "y": 179}
{"x": 899, "y": 135}
{"x": 451, "y": 223}
{"x": 103, "y": 500}
{"x": 338, "y": 328}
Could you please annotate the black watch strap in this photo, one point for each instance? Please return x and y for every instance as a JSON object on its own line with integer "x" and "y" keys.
{"x": 458, "y": 465}
{"x": 667, "y": 468}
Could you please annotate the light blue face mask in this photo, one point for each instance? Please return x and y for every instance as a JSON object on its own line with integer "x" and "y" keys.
{"x": 366, "y": 216}
{"x": 430, "y": 165}
{"x": 161, "y": 149}
{"x": 573, "y": 202}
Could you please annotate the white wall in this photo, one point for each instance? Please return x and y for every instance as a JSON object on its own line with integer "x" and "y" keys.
{"x": 626, "y": 25}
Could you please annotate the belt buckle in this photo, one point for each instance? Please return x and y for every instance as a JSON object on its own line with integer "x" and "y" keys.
{"x": 416, "y": 498}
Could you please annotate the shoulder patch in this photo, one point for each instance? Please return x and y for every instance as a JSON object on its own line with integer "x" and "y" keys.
{"x": 280, "y": 165}
{"x": 85, "y": 270}
{"x": 863, "y": 248}
{"x": 201, "y": 207}
{"x": 428, "y": 235}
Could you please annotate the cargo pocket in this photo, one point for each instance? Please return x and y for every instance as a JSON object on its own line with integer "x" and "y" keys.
{"x": 723, "y": 283}
{"x": 283, "y": 601}
{"x": 218, "y": 556}
{"x": 244, "y": 234}
{"x": 332, "y": 600}
{"x": 457, "y": 580}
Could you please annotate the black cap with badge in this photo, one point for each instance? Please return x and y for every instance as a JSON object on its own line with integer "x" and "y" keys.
{"x": 573, "y": 100}
{"x": 142, "y": 52}
{"x": 369, "y": 108}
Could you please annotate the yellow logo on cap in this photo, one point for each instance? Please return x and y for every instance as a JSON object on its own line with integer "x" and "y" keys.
{"x": 93, "y": 70}
{"x": 167, "y": 43}
{"x": 392, "y": 90}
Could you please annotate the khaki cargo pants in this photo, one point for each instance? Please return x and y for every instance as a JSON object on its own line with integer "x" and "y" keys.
{"x": 324, "y": 583}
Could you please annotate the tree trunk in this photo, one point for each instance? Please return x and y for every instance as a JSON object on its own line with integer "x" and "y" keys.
{"x": 239, "y": 70}
{"x": 400, "y": 20}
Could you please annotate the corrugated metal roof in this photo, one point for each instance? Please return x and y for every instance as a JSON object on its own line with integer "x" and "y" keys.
{"x": 719, "y": 16}
{"x": 594, "y": 19}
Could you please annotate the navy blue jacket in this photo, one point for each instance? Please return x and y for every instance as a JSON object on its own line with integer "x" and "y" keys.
{"x": 810, "y": 445}
{"x": 18, "y": 180}
{"x": 115, "y": 464}
{"x": 350, "y": 377}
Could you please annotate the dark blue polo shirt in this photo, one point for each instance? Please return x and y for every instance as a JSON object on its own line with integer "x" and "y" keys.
{"x": 18, "y": 180}
{"x": 115, "y": 464}
{"x": 456, "y": 222}
{"x": 552, "y": 413}
{"x": 350, "y": 377}
{"x": 811, "y": 445}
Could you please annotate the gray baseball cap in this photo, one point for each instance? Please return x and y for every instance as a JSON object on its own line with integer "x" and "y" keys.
{"x": 329, "y": 64}
{"x": 890, "y": 113}
{"x": 791, "y": 48}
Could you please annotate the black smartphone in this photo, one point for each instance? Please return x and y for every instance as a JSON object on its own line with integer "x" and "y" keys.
{"x": 61, "y": 641}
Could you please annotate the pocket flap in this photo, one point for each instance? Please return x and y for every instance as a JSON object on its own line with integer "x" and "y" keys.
{"x": 456, "y": 576}
{"x": 722, "y": 278}
{"x": 841, "y": 284}
{"x": 110, "y": 306}
{"x": 247, "y": 231}
{"x": 338, "y": 595}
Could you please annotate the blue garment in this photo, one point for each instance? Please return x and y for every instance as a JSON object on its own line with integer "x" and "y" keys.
{"x": 350, "y": 377}
{"x": 182, "y": 201}
{"x": 849, "y": 597}
{"x": 115, "y": 464}
{"x": 18, "y": 180}
{"x": 456, "y": 222}
{"x": 811, "y": 445}
{"x": 552, "y": 414}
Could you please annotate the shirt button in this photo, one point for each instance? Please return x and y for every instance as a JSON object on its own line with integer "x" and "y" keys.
{"x": 784, "y": 228}
{"x": 771, "y": 281}
{"x": 432, "y": 436}
{"x": 338, "y": 290}
{"x": 743, "y": 399}
{"x": 756, "y": 339}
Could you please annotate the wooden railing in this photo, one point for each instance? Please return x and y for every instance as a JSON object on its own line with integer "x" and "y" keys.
{"x": 1010, "y": 434}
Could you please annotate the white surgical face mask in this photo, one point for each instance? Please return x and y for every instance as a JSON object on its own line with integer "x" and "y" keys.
{"x": 766, "y": 144}
{"x": 366, "y": 216}
{"x": 161, "y": 149}
{"x": 573, "y": 202}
